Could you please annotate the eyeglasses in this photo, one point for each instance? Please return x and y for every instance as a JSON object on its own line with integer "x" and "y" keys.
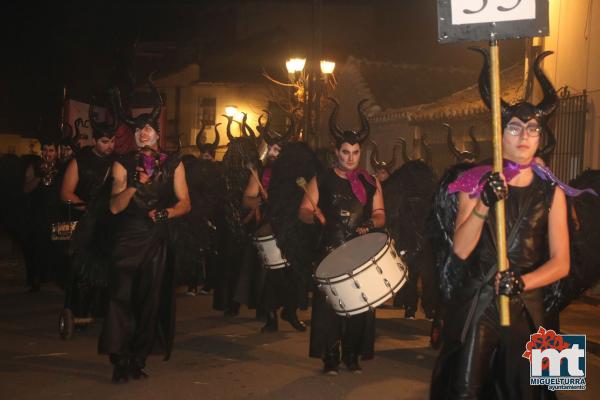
{"x": 517, "y": 130}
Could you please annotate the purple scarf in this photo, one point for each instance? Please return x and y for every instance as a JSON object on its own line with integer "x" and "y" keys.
{"x": 469, "y": 181}
{"x": 357, "y": 186}
{"x": 151, "y": 161}
{"x": 266, "y": 178}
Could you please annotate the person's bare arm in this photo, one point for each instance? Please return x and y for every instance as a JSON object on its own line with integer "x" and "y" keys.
{"x": 468, "y": 225}
{"x": 557, "y": 266}
{"x": 183, "y": 205}
{"x": 70, "y": 180}
{"x": 307, "y": 211}
{"x": 251, "y": 199}
{"x": 31, "y": 181}
{"x": 121, "y": 195}
{"x": 378, "y": 214}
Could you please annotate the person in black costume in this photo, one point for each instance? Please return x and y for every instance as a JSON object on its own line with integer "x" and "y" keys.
{"x": 382, "y": 169}
{"x": 197, "y": 245}
{"x": 479, "y": 359}
{"x": 86, "y": 186}
{"x": 42, "y": 185}
{"x": 349, "y": 202}
{"x": 148, "y": 189}
{"x": 237, "y": 256}
{"x": 280, "y": 286}
{"x": 408, "y": 196}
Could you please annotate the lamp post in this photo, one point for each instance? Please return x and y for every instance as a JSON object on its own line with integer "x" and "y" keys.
{"x": 308, "y": 90}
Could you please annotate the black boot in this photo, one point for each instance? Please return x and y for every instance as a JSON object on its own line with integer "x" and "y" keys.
{"x": 291, "y": 317}
{"x": 271, "y": 325}
{"x": 136, "y": 368}
{"x": 331, "y": 361}
{"x": 351, "y": 362}
{"x": 121, "y": 368}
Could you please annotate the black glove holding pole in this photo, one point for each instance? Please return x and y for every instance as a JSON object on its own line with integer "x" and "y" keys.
{"x": 494, "y": 189}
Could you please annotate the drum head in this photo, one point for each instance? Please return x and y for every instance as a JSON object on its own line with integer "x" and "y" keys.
{"x": 351, "y": 255}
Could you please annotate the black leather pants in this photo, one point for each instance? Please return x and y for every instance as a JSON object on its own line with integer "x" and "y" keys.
{"x": 490, "y": 364}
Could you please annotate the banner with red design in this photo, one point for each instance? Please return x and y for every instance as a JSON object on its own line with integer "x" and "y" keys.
{"x": 76, "y": 114}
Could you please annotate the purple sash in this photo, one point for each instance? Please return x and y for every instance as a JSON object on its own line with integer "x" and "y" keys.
{"x": 469, "y": 181}
{"x": 357, "y": 186}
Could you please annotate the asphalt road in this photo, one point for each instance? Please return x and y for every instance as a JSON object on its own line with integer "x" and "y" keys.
{"x": 222, "y": 358}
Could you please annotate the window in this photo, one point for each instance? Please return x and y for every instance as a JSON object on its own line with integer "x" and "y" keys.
{"x": 208, "y": 110}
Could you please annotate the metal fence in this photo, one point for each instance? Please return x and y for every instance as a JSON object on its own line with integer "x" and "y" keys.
{"x": 569, "y": 127}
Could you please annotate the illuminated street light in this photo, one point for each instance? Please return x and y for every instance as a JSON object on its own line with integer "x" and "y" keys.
{"x": 327, "y": 67}
{"x": 294, "y": 65}
{"x": 230, "y": 111}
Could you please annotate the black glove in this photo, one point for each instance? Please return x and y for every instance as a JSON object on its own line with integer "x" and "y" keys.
{"x": 494, "y": 189}
{"x": 368, "y": 224}
{"x": 511, "y": 283}
{"x": 161, "y": 215}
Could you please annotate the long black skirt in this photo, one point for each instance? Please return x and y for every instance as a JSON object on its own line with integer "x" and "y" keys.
{"x": 140, "y": 317}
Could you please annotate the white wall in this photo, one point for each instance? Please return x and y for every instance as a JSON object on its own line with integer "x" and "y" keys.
{"x": 183, "y": 107}
{"x": 575, "y": 39}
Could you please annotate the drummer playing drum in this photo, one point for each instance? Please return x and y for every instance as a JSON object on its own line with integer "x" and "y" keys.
{"x": 349, "y": 202}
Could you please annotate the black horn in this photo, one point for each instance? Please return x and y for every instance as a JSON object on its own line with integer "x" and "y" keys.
{"x": 199, "y": 135}
{"x": 405, "y": 156}
{"x": 229, "y": 122}
{"x": 158, "y": 99}
{"x": 476, "y": 148}
{"x": 453, "y": 149}
{"x": 484, "y": 81}
{"x": 375, "y": 163}
{"x": 550, "y": 101}
{"x": 333, "y": 126}
{"x": 364, "y": 129}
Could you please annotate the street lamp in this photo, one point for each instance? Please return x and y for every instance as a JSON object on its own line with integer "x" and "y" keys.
{"x": 230, "y": 111}
{"x": 308, "y": 88}
{"x": 327, "y": 67}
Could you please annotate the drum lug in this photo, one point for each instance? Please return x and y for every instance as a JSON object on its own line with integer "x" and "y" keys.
{"x": 378, "y": 268}
{"x": 364, "y": 296}
{"x": 389, "y": 286}
{"x": 341, "y": 304}
{"x": 333, "y": 291}
{"x": 356, "y": 283}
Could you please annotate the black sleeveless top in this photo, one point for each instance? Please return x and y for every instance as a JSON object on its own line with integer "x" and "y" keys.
{"x": 529, "y": 249}
{"x": 93, "y": 172}
{"x": 342, "y": 210}
{"x": 156, "y": 194}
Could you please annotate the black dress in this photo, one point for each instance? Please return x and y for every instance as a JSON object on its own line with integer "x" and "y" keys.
{"x": 141, "y": 312}
{"x": 479, "y": 358}
{"x": 343, "y": 213}
{"x": 90, "y": 243}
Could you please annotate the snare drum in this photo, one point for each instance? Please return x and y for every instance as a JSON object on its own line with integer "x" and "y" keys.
{"x": 62, "y": 230}
{"x": 270, "y": 254}
{"x": 361, "y": 274}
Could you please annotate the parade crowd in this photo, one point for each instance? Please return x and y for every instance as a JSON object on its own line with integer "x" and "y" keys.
{"x": 276, "y": 226}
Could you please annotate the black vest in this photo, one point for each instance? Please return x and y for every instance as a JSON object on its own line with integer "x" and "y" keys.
{"x": 93, "y": 172}
{"x": 156, "y": 194}
{"x": 529, "y": 249}
{"x": 342, "y": 210}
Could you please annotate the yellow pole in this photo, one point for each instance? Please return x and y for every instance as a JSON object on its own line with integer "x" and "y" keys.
{"x": 500, "y": 214}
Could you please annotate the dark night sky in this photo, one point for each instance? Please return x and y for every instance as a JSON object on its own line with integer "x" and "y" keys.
{"x": 85, "y": 46}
